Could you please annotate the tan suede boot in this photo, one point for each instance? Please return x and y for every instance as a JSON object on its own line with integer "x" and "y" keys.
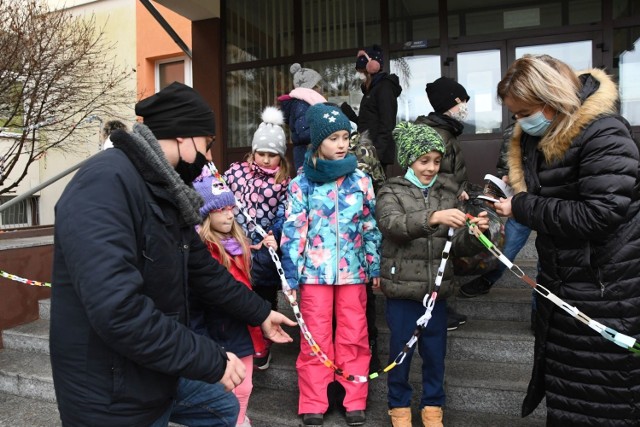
{"x": 400, "y": 417}
{"x": 432, "y": 416}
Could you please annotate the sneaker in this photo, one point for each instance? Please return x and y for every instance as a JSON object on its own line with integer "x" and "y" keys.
{"x": 355, "y": 418}
{"x": 261, "y": 361}
{"x": 461, "y": 318}
{"x": 245, "y": 423}
{"x": 312, "y": 420}
{"x": 475, "y": 287}
{"x": 452, "y": 324}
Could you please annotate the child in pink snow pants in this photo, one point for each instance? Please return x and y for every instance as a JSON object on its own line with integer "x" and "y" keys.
{"x": 330, "y": 245}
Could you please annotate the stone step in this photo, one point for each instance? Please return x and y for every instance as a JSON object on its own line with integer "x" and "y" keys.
{"x": 499, "y": 304}
{"x": 31, "y": 337}
{"x": 26, "y": 374}
{"x": 44, "y": 308}
{"x": 16, "y": 411}
{"x": 495, "y": 387}
{"x": 264, "y": 413}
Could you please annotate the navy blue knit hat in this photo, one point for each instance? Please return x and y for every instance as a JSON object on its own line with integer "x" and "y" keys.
{"x": 371, "y": 59}
{"x": 323, "y": 120}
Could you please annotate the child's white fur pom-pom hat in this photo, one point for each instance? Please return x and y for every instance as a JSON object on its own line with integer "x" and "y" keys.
{"x": 270, "y": 136}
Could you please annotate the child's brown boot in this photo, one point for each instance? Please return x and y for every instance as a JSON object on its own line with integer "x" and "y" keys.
{"x": 400, "y": 417}
{"x": 432, "y": 416}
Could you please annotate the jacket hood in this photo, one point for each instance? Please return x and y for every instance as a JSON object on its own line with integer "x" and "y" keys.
{"x": 392, "y": 78}
{"x": 309, "y": 96}
{"x": 599, "y": 96}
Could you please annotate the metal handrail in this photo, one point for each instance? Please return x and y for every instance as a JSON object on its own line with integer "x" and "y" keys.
{"x": 42, "y": 185}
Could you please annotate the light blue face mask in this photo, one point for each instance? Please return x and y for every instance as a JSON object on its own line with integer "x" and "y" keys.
{"x": 535, "y": 124}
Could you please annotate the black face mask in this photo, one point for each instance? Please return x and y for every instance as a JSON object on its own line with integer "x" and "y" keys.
{"x": 190, "y": 171}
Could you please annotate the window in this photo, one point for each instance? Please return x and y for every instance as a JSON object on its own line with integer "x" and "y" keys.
{"x": 173, "y": 70}
{"x": 627, "y": 66}
{"x": 414, "y": 73}
{"x": 22, "y": 214}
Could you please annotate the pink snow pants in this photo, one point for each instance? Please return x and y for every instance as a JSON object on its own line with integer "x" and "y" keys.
{"x": 349, "y": 350}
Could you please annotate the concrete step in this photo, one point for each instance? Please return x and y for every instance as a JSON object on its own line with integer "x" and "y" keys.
{"x": 16, "y": 411}
{"x": 263, "y": 413}
{"x": 499, "y": 304}
{"x": 26, "y": 374}
{"x": 491, "y": 341}
{"x": 44, "y": 308}
{"x": 31, "y": 337}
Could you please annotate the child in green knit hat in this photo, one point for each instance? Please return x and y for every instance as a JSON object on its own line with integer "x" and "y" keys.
{"x": 414, "y": 214}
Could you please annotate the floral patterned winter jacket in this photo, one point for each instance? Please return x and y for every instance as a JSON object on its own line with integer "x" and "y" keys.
{"x": 330, "y": 236}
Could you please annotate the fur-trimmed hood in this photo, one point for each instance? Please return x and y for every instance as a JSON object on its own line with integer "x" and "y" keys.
{"x": 599, "y": 96}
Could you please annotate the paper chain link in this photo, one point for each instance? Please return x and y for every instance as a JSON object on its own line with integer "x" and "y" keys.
{"x": 23, "y": 280}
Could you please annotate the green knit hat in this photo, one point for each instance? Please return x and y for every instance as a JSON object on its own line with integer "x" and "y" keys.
{"x": 414, "y": 141}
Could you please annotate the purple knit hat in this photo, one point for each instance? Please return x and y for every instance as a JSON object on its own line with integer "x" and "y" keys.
{"x": 215, "y": 193}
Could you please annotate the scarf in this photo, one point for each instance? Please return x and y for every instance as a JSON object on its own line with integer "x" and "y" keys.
{"x": 412, "y": 178}
{"x": 328, "y": 170}
{"x": 232, "y": 246}
{"x": 145, "y": 153}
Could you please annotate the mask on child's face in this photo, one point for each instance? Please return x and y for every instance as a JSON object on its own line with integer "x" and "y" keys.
{"x": 462, "y": 113}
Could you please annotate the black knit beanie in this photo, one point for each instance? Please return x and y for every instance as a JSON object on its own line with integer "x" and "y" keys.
{"x": 445, "y": 93}
{"x": 177, "y": 111}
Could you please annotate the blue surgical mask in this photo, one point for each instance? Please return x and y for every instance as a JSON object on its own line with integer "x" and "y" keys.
{"x": 535, "y": 124}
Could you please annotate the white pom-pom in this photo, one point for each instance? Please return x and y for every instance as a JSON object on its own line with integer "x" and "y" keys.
{"x": 295, "y": 68}
{"x": 272, "y": 115}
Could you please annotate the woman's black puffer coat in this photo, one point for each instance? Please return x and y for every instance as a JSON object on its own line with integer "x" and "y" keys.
{"x": 580, "y": 193}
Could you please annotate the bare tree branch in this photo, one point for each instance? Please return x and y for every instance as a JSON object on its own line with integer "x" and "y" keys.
{"x": 57, "y": 71}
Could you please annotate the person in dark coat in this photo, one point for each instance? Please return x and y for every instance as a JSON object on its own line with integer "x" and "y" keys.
{"x": 294, "y": 105}
{"x": 126, "y": 256}
{"x": 574, "y": 166}
{"x": 379, "y": 104}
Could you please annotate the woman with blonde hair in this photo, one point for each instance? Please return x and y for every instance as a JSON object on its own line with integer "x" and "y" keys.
{"x": 574, "y": 166}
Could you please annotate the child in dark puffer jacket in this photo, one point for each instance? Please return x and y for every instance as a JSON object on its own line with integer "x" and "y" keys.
{"x": 295, "y": 105}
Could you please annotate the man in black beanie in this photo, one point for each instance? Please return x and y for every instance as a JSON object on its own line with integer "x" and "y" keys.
{"x": 126, "y": 256}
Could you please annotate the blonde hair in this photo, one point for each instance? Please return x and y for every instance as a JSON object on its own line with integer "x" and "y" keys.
{"x": 282, "y": 174}
{"x": 209, "y": 235}
{"x": 544, "y": 80}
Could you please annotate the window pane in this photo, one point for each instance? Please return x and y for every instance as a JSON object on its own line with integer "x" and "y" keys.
{"x": 340, "y": 80}
{"x": 339, "y": 24}
{"x": 248, "y": 93}
{"x": 576, "y": 54}
{"x": 479, "y": 72}
{"x": 170, "y": 72}
{"x": 413, "y": 21}
{"x": 626, "y": 8}
{"x": 627, "y": 66}
{"x": 258, "y": 29}
{"x": 414, "y": 73}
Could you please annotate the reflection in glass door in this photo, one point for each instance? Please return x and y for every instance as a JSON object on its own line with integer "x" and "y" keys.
{"x": 577, "y": 54}
{"x": 479, "y": 72}
{"x": 423, "y": 69}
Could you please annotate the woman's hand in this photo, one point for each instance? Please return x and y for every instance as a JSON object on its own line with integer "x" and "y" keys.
{"x": 375, "y": 283}
{"x": 503, "y": 207}
{"x": 451, "y": 217}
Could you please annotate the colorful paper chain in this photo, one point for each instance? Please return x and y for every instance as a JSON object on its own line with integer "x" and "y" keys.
{"x": 422, "y": 322}
{"x": 622, "y": 340}
{"x": 23, "y": 280}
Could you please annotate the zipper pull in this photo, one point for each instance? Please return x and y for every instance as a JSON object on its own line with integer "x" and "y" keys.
{"x": 601, "y": 290}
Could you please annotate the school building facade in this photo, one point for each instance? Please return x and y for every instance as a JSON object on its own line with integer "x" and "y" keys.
{"x": 241, "y": 51}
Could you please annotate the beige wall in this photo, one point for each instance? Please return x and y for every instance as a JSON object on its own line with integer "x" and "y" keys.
{"x": 119, "y": 20}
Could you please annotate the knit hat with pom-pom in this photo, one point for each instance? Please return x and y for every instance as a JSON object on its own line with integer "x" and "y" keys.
{"x": 270, "y": 136}
{"x": 214, "y": 192}
{"x": 304, "y": 77}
